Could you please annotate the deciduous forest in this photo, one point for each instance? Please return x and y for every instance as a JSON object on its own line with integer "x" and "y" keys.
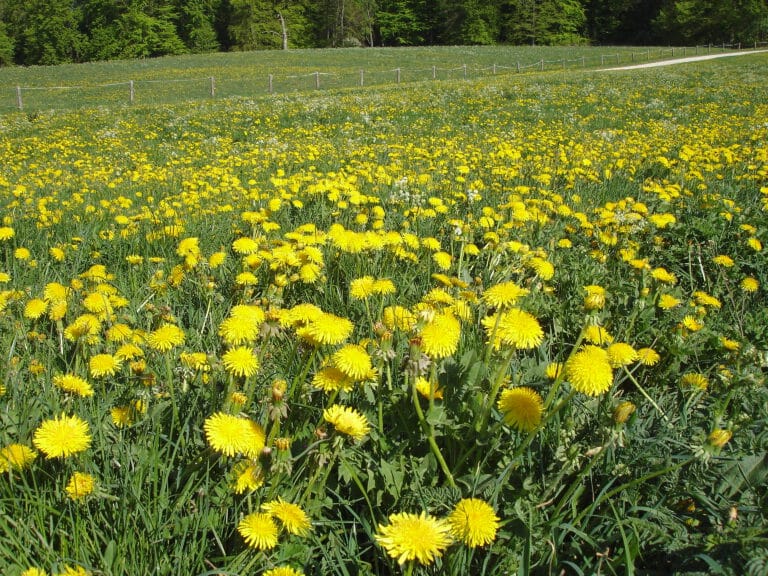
{"x": 58, "y": 31}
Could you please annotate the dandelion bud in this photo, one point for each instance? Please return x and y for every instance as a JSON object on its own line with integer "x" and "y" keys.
{"x": 283, "y": 443}
{"x": 595, "y": 298}
{"x": 623, "y": 411}
{"x": 278, "y": 390}
{"x": 719, "y": 437}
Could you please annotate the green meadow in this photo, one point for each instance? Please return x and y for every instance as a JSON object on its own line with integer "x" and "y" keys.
{"x": 508, "y": 323}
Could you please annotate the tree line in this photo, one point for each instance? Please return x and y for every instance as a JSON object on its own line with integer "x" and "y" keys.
{"x": 58, "y": 31}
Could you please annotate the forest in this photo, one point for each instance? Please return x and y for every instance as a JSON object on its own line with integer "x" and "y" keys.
{"x": 44, "y": 32}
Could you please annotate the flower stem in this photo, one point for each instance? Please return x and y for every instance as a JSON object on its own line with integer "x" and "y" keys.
{"x": 430, "y": 432}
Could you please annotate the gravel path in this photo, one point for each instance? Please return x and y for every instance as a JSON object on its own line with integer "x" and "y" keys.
{"x": 681, "y": 60}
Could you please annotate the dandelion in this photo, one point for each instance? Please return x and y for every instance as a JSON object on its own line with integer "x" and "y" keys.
{"x": 326, "y": 329}
{"x": 543, "y": 268}
{"x": 80, "y": 485}
{"x": 291, "y": 516}
{"x": 589, "y": 371}
{"x": 34, "y": 572}
{"x": 410, "y": 537}
{"x": 474, "y": 522}
{"x": 623, "y": 411}
{"x": 440, "y": 337}
{"x": 245, "y": 246}
{"x": 755, "y": 244}
{"x": 104, "y": 365}
{"x": 522, "y": 408}
{"x": 353, "y": 361}
{"x": 553, "y": 370}
{"x": 667, "y": 302}
{"x": 723, "y": 260}
{"x": 347, "y": 421}
{"x": 166, "y": 337}
{"x": 719, "y": 437}
{"x": 74, "y": 384}
{"x": 240, "y": 361}
{"x": 6, "y": 233}
{"x": 621, "y": 354}
{"x": 695, "y": 380}
{"x": 398, "y": 317}
{"x": 242, "y": 327}
{"x": 232, "y": 435}
{"x": 648, "y": 356}
{"x": 515, "y": 328}
{"x": 503, "y": 295}
{"x": 331, "y": 379}
{"x": 598, "y": 335}
{"x": 361, "y": 288}
{"x": 283, "y": 571}
{"x": 443, "y": 260}
{"x": 749, "y": 284}
{"x": 217, "y": 259}
{"x": 62, "y": 437}
{"x": 663, "y": 276}
{"x": 691, "y": 323}
{"x": 425, "y": 388}
{"x": 248, "y": 476}
{"x": 259, "y": 531}
{"x": 729, "y": 344}
{"x": 16, "y": 457}
{"x": 35, "y": 308}
{"x": 595, "y": 297}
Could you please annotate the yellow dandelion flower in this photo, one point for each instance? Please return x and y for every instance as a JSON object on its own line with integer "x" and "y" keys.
{"x": 331, "y": 379}
{"x": 398, "y": 317}
{"x": 695, "y": 380}
{"x": 166, "y": 337}
{"x": 35, "y": 308}
{"x": 362, "y": 288}
{"x": 595, "y": 297}
{"x": 723, "y": 260}
{"x": 719, "y": 437}
{"x": 755, "y": 244}
{"x": 589, "y": 371}
{"x": 128, "y": 351}
{"x": 104, "y": 365}
{"x": 16, "y": 457}
{"x": 598, "y": 335}
{"x": 474, "y": 522}
{"x": 119, "y": 333}
{"x": 503, "y": 295}
{"x": 80, "y": 486}
{"x": 353, "y": 360}
{"x": 6, "y": 233}
{"x": 217, "y": 259}
{"x": 440, "y": 337}
{"x": 74, "y": 384}
{"x": 663, "y": 276}
{"x": 667, "y": 302}
{"x": 425, "y": 387}
{"x": 623, "y": 411}
{"x": 245, "y": 246}
{"x": 553, "y": 370}
{"x": 749, "y": 284}
{"x": 61, "y": 437}
{"x": 410, "y": 537}
{"x": 326, "y": 329}
{"x": 729, "y": 344}
{"x": 522, "y": 408}
{"x": 543, "y": 268}
{"x": 691, "y": 323}
{"x": 195, "y": 360}
{"x": 515, "y": 328}
{"x": 291, "y": 516}
{"x": 248, "y": 476}
{"x": 34, "y": 572}
{"x": 232, "y": 435}
{"x": 704, "y": 299}
{"x": 384, "y": 286}
{"x": 240, "y": 361}
{"x": 259, "y": 531}
{"x": 283, "y": 571}
{"x": 22, "y": 253}
{"x": 648, "y": 356}
{"x": 246, "y": 279}
{"x": 443, "y": 260}
{"x": 621, "y": 354}
{"x": 347, "y": 421}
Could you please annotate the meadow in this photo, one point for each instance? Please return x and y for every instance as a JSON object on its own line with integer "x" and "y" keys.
{"x": 510, "y": 325}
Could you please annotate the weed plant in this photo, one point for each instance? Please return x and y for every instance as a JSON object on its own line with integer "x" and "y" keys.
{"x": 511, "y": 326}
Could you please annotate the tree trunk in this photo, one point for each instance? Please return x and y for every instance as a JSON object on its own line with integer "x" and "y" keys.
{"x": 283, "y": 29}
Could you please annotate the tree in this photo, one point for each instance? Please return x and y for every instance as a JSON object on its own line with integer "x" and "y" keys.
{"x": 259, "y": 24}
{"x": 44, "y": 31}
{"x": 711, "y": 21}
{"x": 398, "y": 24}
{"x": 196, "y": 24}
{"x": 547, "y": 22}
{"x": 6, "y": 46}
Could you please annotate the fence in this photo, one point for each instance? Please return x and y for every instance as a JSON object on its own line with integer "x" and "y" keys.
{"x": 174, "y": 90}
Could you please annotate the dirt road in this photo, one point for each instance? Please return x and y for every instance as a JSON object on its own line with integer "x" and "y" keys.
{"x": 681, "y": 60}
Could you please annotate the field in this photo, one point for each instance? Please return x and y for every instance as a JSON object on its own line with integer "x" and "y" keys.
{"x": 509, "y": 325}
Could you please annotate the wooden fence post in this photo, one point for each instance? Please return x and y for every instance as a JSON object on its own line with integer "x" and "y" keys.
{"x": 542, "y": 64}
{"x": 317, "y": 80}
{"x": 465, "y": 71}
{"x": 19, "y": 102}
{"x": 494, "y": 69}
{"x": 434, "y": 72}
{"x": 362, "y": 78}
{"x": 213, "y": 87}
{"x": 518, "y": 66}
{"x": 270, "y": 83}
{"x": 132, "y": 92}
{"x": 397, "y": 70}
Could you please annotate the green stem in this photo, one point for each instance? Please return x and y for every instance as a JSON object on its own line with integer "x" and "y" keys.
{"x": 302, "y": 375}
{"x": 430, "y": 432}
{"x": 490, "y": 401}
{"x": 645, "y": 394}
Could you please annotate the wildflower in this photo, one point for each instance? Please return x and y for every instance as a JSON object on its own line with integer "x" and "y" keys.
{"x": 291, "y": 516}
{"x": 283, "y": 571}
{"x": 248, "y": 477}
{"x": 515, "y": 328}
{"x": 695, "y": 380}
{"x": 667, "y": 302}
{"x": 503, "y": 295}
{"x": 589, "y": 371}
{"x": 217, "y": 259}
{"x": 598, "y": 335}
{"x": 474, "y": 522}
{"x": 245, "y": 246}
{"x": 648, "y": 356}
{"x": 723, "y": 260}
{"x": 74, "y": 384}
{"x": 6, "y": 233}
{"x": 16, "y": 457}
{"x": 425, "y": 388}
{"x": 410, "y": 537}
{"x": 719, "y": 437}
{"x": 166, "y": 337}
{"x": 79, "y": 486}
{"x": 595, "y": 298}
{"x": 749, "y": 284}
{"x": 755, "y": 244}
{"x": 240, "y": 361}
{"x": 704, "y": 299}
{"x": 232, "y": 435}
{"x": 729, "y": 344}
{"x": 35, "y": 308}
{"x": 259, "y": 531}
{"x": 691, "y": 323}
{"x": 398, "y": 317}
{"x": 353, "y": 361}
{"x": 621, "y": 354}
{"x": 347, "y": 421}
{"x": 34, "y": 572}
{"x": 664, "y": 276}
{"x": 62, "y": 437}
{"x": 623, "y": 411}
{"x": 326, "y": 329}
{"x": 553, "y": 370}
{"x": 242, "y": 325}
{"x": 442, "y": 260}
{"x": 102, "y": 365}
{"x": 331, "y": 379}
{"x": 522, "y": 408}
{"x": 22, "y": 253}
{"x": 440, "y": 337}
